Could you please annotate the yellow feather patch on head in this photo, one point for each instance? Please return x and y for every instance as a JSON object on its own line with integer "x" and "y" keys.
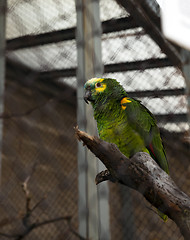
{"x": 101, "y": 89}
{"x": 124, "y": 101}
{"x": 95, "y": 80}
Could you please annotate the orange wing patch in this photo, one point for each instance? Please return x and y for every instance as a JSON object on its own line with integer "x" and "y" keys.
{"x": 124, "y": 102}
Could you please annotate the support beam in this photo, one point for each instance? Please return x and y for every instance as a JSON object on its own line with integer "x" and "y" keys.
{"x": 40, "y": 39}
{"x": 117, "y": 67}
{"x": 171, "y": 118}
{"x": 157, "y": 93}
{"x": 186, "y": 72}
{"x": 2, "y": 70}
{"x": 138, "y": 65}
{"x": 134, "y": 7}
{"x": 66, "y": 34}
{"x": 152, "y": 8}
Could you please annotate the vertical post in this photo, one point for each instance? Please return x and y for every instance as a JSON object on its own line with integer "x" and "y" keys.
{"x": 186, "y": 72}
{"x": 91, "y": 206}
{"x": 2, "y": 69}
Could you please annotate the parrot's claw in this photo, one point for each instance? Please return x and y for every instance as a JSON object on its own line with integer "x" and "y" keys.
{"x": 104, "y": 176}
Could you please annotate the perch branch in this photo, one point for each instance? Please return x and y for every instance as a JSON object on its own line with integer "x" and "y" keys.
{"x": 144, "y": 175}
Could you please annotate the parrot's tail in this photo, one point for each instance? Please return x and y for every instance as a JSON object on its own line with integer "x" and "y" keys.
{"x": 163, "y": 216}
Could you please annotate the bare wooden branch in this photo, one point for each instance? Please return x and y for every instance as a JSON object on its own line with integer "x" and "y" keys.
{"x": 29, "y": 226}
{"x": 35, "y": 225}
{"x": 27, "y": 193}
{"x": 38, "y": 203}
{"x": 144, "y": 175}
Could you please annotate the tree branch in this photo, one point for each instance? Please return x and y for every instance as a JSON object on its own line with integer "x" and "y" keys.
{"x": 144, "y": 175}
{"x": 29, "y": 226}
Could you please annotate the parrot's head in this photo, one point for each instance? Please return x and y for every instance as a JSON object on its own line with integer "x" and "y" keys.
{"x": 100, "y": 90}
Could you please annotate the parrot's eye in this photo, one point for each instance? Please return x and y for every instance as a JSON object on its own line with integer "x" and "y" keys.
{"x": 98, "y": 84}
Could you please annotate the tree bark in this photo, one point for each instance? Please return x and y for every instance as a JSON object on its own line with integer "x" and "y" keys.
{"x": 144, "y": 175}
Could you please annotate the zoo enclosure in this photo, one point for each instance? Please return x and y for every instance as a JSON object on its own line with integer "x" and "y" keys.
{"x": 40, "y": 112}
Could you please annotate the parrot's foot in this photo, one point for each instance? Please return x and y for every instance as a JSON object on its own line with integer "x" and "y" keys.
{"x": 104, "y": 176}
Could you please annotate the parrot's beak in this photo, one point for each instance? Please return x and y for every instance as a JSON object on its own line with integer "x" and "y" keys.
{"x": 87, "y": 96}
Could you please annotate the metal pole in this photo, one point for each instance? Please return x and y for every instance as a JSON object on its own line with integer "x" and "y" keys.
{"x": 186, "y": 72}
{"x": 93, "y": 210}
{"x": 2, "y": 70}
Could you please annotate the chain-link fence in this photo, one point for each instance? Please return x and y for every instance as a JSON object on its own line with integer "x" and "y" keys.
{"x": 39, "y": 182}
{"x": 152, "y": 86}
{"x": 39, "y": 147}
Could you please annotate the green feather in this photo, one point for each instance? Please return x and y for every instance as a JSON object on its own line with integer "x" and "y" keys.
{"x": 143, "y": 122}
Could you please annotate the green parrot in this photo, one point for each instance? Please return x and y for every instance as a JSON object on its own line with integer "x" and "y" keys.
{"x": 124, "y": 121}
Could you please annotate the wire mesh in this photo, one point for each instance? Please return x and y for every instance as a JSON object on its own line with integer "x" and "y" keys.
{"x": 40, "y": 113}
{"x": 32, "y": 17}
{"x": 39, "y": 147}
{"x": 134, "y": 45}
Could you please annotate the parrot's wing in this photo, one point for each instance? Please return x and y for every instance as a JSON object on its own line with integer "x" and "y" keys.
{"x": 143, "y": 122}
